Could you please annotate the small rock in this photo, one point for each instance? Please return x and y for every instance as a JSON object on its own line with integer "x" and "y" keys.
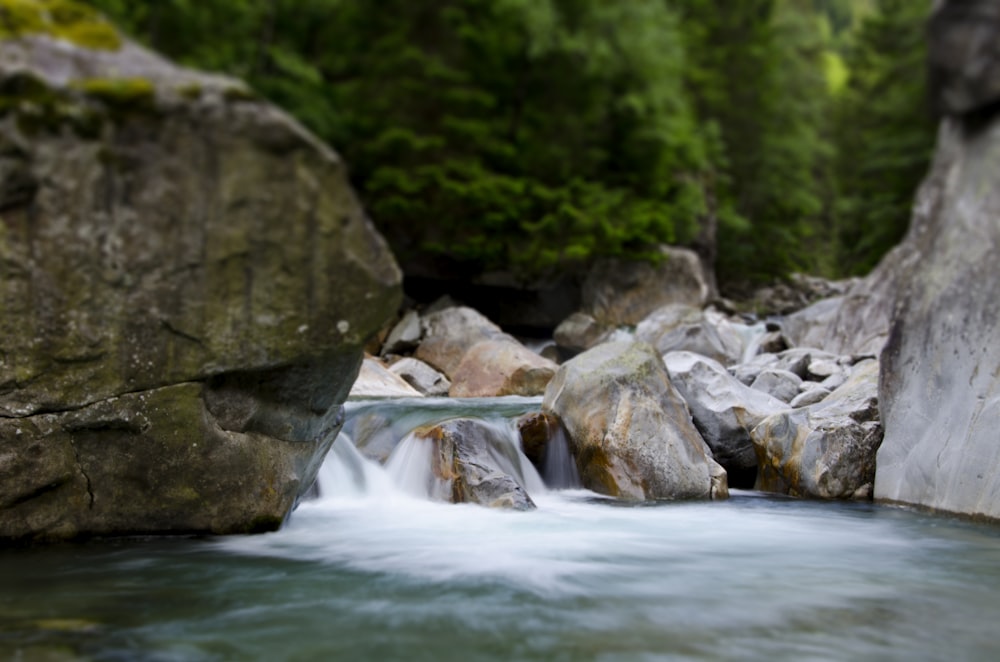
{"x": 820, "y": 369}
{"x": 809, "y": 396}
{"x": 404, "y": 336}
{"x": 421, "y": 376}
{"x": 579, "y": 332}
{"x": 377, "y": 381}
{"x": 780, "y": 384}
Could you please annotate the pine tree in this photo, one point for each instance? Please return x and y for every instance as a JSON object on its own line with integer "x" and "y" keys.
{"x": 885, "y": 133}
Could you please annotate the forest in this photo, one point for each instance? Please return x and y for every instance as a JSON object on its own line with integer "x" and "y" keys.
{"x": 530, "y": 136}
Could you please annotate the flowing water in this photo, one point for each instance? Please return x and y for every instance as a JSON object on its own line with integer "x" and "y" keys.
{"x": 375, "y": 569}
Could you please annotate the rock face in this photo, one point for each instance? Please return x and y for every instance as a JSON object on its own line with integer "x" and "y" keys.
{"x": 941, "y": 388}
{"x": 186, "y": 280}
{"x": 826, "y": 450}
{"x": 470, "y": 459}
{"x": 630, "y": 431}
{"x": 724, "y": 411}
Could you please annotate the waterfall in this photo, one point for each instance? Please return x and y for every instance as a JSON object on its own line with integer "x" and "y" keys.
{"x": 560, "y": 470}
{"x": 380, "y": 455}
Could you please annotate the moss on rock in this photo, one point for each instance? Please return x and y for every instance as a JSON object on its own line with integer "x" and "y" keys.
{"x": 61, "y": 19}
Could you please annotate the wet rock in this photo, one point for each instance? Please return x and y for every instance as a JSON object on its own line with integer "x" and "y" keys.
{"x": 500, "y": 366}
{"x": 630, "y": 430}
{"x": 678, "y": 327}
{"x": 621, "y": 293}
{"x": 376, "y": 381}
{"x": 723, "y": 410}
{"x": 198, "y": 263}
{"x": 826, "y": 450}
{"x": 156, "y": 461}
{"x": 472, "y": 460}
{"x": 535, "y": 430}
{"x": 421, "y": 376}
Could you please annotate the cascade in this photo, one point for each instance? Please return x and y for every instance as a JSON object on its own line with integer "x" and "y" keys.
{"x": 380, "y": 453}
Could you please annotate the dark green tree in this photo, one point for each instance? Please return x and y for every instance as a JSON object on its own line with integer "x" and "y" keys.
{"x": 487, "y": 134}
{"x": 885, "y": 133}
{"x": 757, "y": 76}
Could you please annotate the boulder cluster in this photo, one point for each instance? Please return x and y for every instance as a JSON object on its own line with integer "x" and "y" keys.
{"x": 664, "y": 396}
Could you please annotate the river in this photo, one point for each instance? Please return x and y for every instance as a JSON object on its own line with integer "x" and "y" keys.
{"x": 373, "y": 570}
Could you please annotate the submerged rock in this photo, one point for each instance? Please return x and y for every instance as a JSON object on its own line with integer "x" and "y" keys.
{"x": 186, "y": 281}
{"x": 826, "y": 450}
{"x": 470, "y": 458}
{"x": 630, "y": 431}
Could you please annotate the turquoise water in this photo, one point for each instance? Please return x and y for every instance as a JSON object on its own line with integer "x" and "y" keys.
{"x": 369, "y": 571}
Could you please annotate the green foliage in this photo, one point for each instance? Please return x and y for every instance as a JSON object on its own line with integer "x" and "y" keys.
{"x": 63, "y": 19}
{"x": 885, "y": 133}
{"x": 530, "y": 135}
{"x": 759, "y": 76}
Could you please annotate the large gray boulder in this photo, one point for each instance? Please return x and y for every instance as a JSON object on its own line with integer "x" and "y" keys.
{"x": 940, "y": 390}
{"x": 826, "y": 450}
{"x": 723, "y": 410}
{"x": 186, "y": 282}
{"x": 630, "y": 430}
{"x": 621, "y": 293}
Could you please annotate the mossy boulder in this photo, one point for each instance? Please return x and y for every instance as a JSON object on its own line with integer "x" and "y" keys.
{"x": 154, "y": 241}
